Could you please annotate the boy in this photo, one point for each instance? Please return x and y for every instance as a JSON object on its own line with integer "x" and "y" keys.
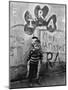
{"x": 34, "y": 60}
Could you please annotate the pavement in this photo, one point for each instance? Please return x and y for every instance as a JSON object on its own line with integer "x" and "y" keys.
{"x": 47, "y": 78}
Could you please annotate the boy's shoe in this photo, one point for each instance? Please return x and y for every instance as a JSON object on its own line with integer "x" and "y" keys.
{"x": 30, "y": 84}
{"x": 38, "y": 81}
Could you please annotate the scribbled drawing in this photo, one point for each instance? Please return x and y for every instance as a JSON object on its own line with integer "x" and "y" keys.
{"x": 37, "y": 47}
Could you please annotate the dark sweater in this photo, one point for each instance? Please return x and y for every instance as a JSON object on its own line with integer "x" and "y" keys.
{"x": 35, "y": 55}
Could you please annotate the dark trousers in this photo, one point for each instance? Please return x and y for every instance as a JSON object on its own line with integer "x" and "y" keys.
{"x": 33, "y": 70}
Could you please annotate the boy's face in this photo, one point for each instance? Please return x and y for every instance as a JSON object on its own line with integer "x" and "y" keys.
{"x": 33, "y": 40}
{"x": 36, "y": 45}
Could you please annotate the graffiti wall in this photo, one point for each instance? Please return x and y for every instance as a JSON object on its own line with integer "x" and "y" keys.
{"x": 54, "y": 43}
{"x": 42, "y": 20}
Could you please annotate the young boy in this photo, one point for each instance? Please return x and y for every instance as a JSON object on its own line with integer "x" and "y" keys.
{"x": 34, "y": 60}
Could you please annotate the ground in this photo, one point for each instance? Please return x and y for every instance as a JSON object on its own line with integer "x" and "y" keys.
{"x": 48, "y": 77}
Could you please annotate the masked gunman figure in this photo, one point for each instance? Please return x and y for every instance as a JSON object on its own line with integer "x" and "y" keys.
{"x": 34, "y": 60}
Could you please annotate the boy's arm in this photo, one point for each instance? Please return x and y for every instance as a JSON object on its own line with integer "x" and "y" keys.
{"x": 28, "y": 61}
{"x": 39, "y": 64}
{"x": 38, "y": 70}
